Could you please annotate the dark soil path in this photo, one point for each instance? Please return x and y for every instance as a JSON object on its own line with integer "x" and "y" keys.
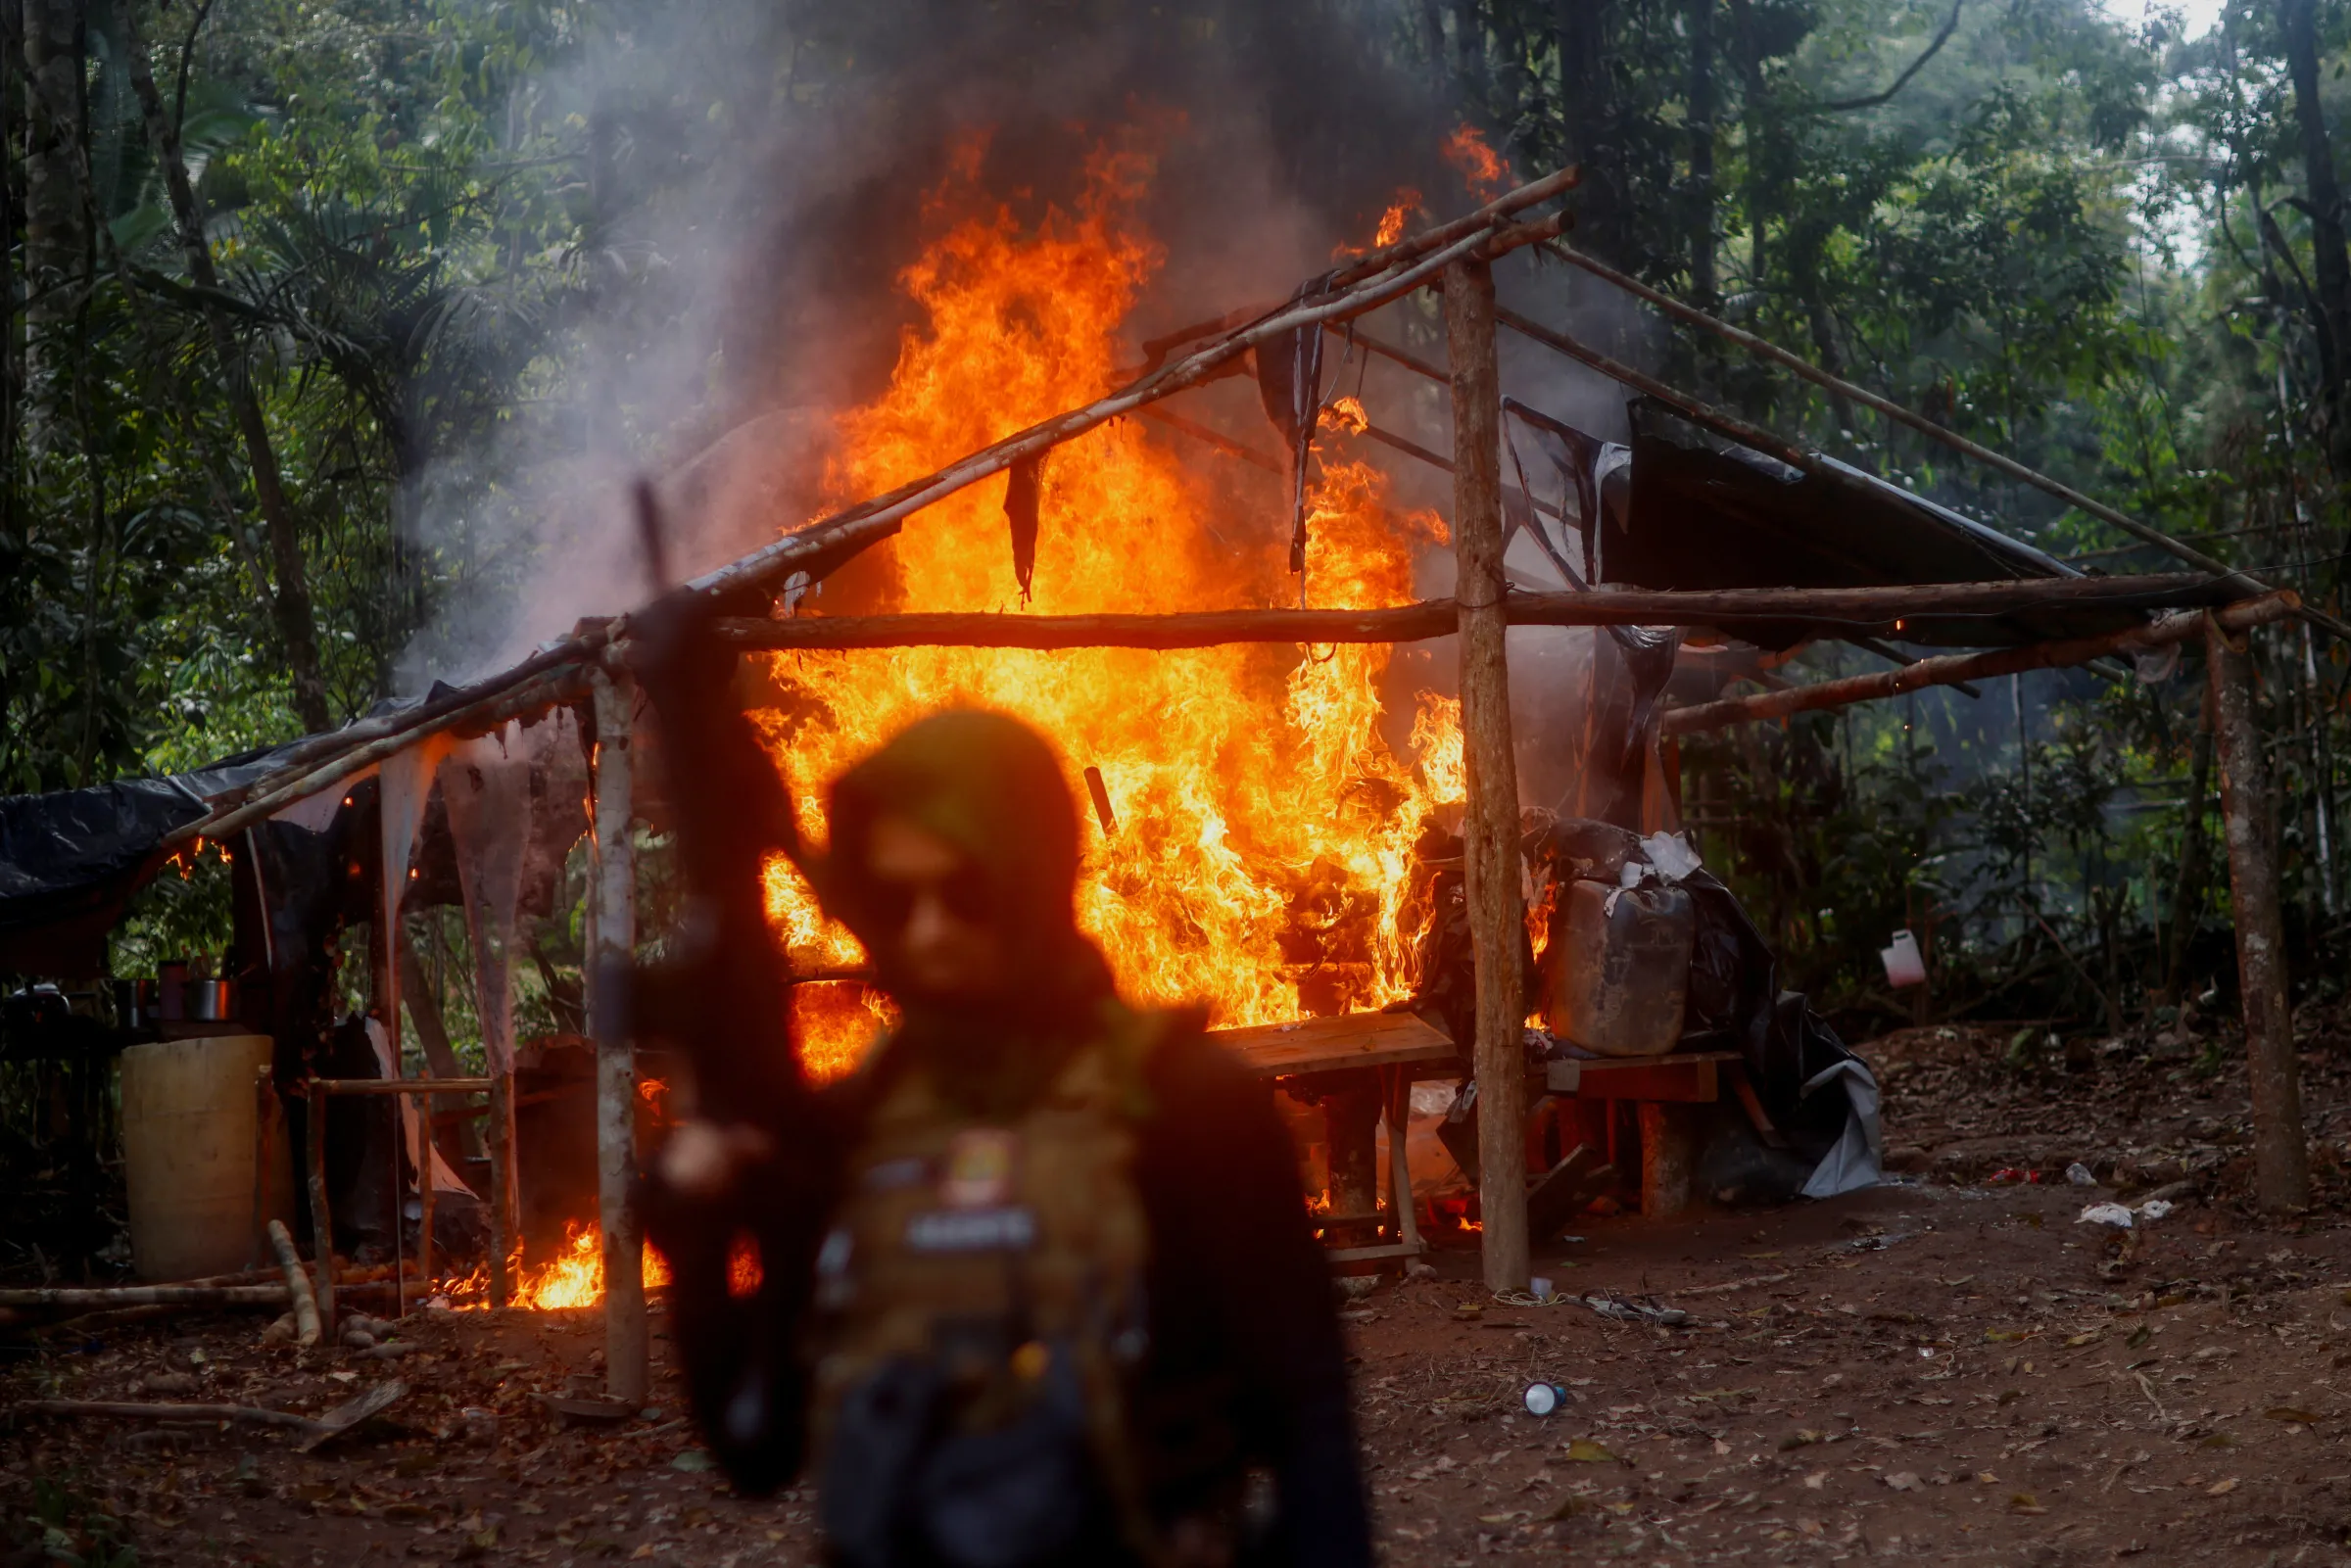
{"x": 1952, "y": 1369}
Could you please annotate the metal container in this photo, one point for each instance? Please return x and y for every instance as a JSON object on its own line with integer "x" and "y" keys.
{"x": 134, "y": 1004}
{"x": 1617, "y": 968}
{"x": 210, "y": 1001}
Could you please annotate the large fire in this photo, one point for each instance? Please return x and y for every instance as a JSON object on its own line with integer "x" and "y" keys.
{"x": 1263, "y": 854}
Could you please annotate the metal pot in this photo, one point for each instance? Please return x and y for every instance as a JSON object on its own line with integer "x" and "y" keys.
{"x": 210, "y": 1001}
{"x": 134, "y": 1004}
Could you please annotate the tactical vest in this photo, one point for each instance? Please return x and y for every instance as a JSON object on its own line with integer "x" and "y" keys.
{"x": 998, "y": 1266}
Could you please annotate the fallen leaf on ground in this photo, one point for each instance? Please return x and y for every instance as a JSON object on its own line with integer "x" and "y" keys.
{"x": 1583, "y": 1451}
{"x": 1817, "y": 1479}
{"x": 2287, "y": 1412}
{"x": 1904, "y": 1481}
{"x": 2221, "y": 1489}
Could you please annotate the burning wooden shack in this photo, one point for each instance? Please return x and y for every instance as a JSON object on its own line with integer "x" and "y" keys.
{"x": 1293, "y": 812}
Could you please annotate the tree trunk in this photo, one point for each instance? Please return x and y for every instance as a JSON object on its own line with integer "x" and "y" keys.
{"x": 53, "y": 241}
{"x": 14, "y": 135}
{"x": 1703, "y": 285}
{"x": 2187, "y": 895}
{"x": 611, "y": 950}
{"x": 297, "y": 624}
{"x": 2330, "y": 253}
{"x": 2280, "y": 1156}
{"x": 1753, "y": 111}
{"x": 56, "y": 240}
{"x": 1582, "y": 29}
{"x": 1490, "y": 860}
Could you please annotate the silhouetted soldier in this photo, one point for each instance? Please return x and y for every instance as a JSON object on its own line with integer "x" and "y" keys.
{"x": 1039, "y": 1286}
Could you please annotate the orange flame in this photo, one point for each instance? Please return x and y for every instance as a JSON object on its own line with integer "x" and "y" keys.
{"x": 1399, "y": 214}
{"x": 1347, "y": 413}
{"x": 834, "y": 1021}
{"x": 1263, "y": 848}
{"x": 1480, "y": 170}
{"x": 575, "y": 1278}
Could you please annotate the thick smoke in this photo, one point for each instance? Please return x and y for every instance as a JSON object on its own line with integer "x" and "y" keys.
{"x": 754, "y": 176}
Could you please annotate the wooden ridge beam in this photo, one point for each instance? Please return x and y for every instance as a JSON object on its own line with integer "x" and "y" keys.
{"x": 1876, "y": 608}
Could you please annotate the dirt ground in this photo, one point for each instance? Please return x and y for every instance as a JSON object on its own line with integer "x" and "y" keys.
{"x": 1953, "y": 1368}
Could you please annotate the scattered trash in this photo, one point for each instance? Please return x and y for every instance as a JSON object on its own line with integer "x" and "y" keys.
{"x": 1671, "y": 855}
{"x": 1539, "y": 1288}
{"x": 2154, "y": 1209}
{"x": 2012, "y": 1173}
{"x": 2115, "y": 1215}
{"x": 2080, "y": 1175}
{"x": 1625, "y": 1311}
{"x": 1544, "y": 1398}
{"x": 1905, "y": 964}
{"x": 588, "y": 1411}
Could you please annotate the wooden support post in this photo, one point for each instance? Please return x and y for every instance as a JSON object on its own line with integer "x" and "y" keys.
{"x": 322, "y": 1221}
{"x": 1490, "y": 863}
{"x": 427, "y": 1154}
{"x": 2281, "y": 1157}
{"x": 263, "y": 1090}
{"x": 1668, "y": 1157}
{"x": 1397, "y": 1083}
{"x": 611, "y": 950}
{"x": 506, "y": 1244}
{"x": 1351, "y": 1111}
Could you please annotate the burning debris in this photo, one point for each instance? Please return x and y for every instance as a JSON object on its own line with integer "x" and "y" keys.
{"x": 1265, "y": 860}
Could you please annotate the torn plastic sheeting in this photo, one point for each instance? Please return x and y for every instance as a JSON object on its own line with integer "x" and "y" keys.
{"x": 1856, "y": 1158}
{"x": 315, "y": 812}
{"x": 406, "y": 786}
{"x": 486, "y": 784}
{"x": 411, "y": 1131}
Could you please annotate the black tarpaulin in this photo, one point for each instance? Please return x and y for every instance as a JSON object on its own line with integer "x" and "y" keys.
{"x": 70, "y": 860}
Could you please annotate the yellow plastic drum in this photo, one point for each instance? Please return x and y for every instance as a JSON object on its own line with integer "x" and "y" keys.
{"x": 194, "y": 1145}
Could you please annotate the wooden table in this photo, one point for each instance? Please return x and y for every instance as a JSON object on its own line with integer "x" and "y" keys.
{"x": 1336, "y": 1045}
{"x": 1398, "y": 1046}
{"x": 1385, "y": 1048}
